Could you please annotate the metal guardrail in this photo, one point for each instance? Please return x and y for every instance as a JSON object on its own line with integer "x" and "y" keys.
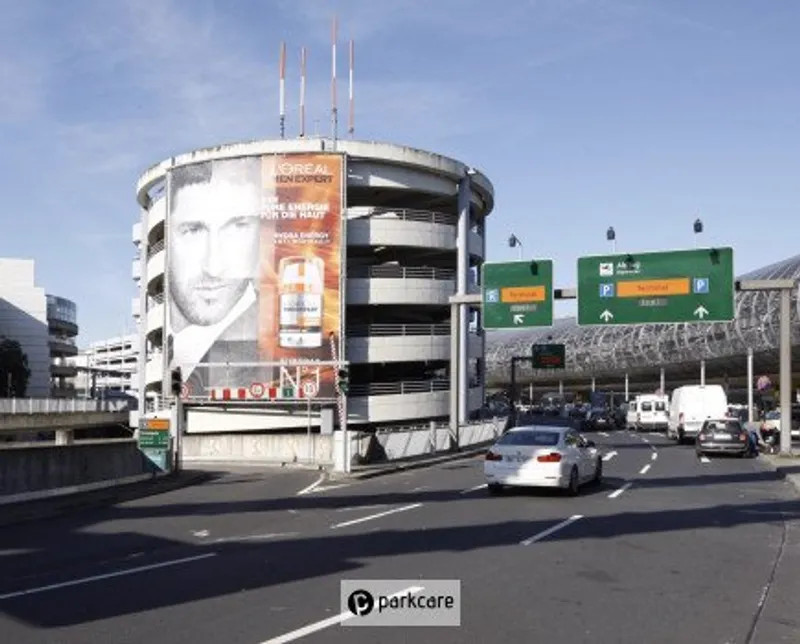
{"x": 155, "y": 248}
{"x": 406, "y": 214}
{"x": 60, "y": 406}
{"x": 401, "y": 272}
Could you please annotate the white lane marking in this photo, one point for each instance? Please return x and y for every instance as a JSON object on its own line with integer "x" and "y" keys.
{"x": 644, "y": 469}
{"x": 255, "y": 537}
{"x": 609, "y": 456}
{"x": 616, "y": 493}
{"x": 549, "y": 531}
{"x": 361, "y": 507}
{"x": 653, "y": 447}
{"x": 603, "y": 434}
{"x": 312, "y": 487}
{"x": 704, "y": 459}
{"x": 331, "y": 621}
{"x": 654, "y": 456}
{"x": 370, "y": 517}
{"x": 325, "y": 488}
{"x": 474, "y": 489}
{"x": 108, "y": 575}
{"x": 646, "y": 440}
{"x": 420, "y": 488}
{"x": 200, "y": 533}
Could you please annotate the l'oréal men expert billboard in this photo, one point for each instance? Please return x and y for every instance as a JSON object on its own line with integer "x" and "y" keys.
{"x": 254, "y": 274}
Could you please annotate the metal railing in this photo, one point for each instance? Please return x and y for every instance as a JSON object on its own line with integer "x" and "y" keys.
{"x": 383, "y": 330}
{"x": 155, "y": 248}
{"x": 399, "y": 388}
{"x": 60, "y": 405}
{"x": 405, "y": 214}
{"x": 401, "y": 272}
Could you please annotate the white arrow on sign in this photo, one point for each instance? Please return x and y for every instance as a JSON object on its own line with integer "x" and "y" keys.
{"x": 519, "y": 318}
{"x": 606, "y": 315}
{"x": 701, "y": 311}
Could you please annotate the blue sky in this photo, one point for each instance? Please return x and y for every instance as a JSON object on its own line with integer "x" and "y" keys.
{"x": 641, "y": 114}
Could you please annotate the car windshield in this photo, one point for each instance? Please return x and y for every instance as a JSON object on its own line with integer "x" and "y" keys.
{"x": 646, "y": 406}
{"x": 660, "y": 406}
{"x": 541, "y": 438}
{"x": 723, "y": 426}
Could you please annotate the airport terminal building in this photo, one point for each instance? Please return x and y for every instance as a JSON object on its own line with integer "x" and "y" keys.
{"x": 261, "y": 264}
{"x": 608, "y": 353}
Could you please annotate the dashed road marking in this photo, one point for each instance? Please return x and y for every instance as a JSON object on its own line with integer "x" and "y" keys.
{"x": 370, "y": 517}
{"x": 644, "y": 469}
{"x": 654, "y": 456}
{"x": 603, "y": 434}
{"x": 609, "y": 456}
{"x": 549, "y": 531}
{"x": 474, "y": 489}
{"x": 616, "y": 493}
{"x": 704, "y": 459}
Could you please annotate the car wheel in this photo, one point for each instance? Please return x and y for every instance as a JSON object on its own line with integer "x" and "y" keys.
{"x": 598, "y": 473}
{"x": 574, "y": 486}
{"x": 495, "y": 489}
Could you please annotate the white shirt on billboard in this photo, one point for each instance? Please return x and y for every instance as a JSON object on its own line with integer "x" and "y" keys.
{"x": 192, "y": 343}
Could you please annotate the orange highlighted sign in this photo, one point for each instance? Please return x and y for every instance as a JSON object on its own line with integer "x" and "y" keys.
{"x": 157, "y": 424}
{"x": 651, "y": 288}
{"x": 522, "y": 294}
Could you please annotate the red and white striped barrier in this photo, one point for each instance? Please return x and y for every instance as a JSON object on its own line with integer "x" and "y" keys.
{"x": 260, "y": 391}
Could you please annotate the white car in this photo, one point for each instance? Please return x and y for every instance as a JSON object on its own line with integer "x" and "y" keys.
{"x": 542, "y": 456}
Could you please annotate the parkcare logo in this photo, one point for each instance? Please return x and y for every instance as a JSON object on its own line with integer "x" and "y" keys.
{"x": 362, "y": 602}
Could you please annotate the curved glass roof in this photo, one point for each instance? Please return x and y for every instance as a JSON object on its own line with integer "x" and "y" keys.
{"x": 598, "y": 351}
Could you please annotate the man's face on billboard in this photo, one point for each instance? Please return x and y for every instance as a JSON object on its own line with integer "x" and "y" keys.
{"x": 214, "y": 244}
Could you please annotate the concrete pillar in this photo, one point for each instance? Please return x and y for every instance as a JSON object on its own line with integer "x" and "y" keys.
{"x": 627, "y": 388}
{"x": 594, "y": 385}
{"x": 663, "y": 383}
{"x": 561, "y": 387}
{"x": 64, "y": 437}
{"x": 702, "y": 373}
{"x": 462, "y": 285}
{"x": 786, "y": 371}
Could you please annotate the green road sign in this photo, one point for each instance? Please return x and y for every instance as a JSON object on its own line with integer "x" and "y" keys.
{"x": 155, "y": 439}
{"x": 517, "y": 295}
{"x": 652, "y": 288}
{"x": 548, "y": 356}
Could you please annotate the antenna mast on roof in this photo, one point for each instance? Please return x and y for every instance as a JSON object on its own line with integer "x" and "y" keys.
{"x": 302, "y": 92}
{"x": 282, "y": 91}
{"x": 352, "y": 114}
{"x": 334, "y": 110}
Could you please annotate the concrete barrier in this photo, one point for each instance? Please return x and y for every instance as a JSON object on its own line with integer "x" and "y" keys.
{"x": 318, "y": 450}
{"x": 29, "y": 471}
{"x": 60, "y": 420}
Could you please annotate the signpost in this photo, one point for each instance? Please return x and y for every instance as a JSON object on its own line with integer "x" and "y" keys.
{"x": 154, "y": 441}
{"x": 517, "y": 295}
{"x": 657, "y": 288}
{"x": 548, "y": 356}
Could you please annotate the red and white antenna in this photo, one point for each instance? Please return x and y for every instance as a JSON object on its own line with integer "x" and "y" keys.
{"x": 302, "y": 92}
{"x": 334, "y": 110}
{"x": 282, "y": 90}
{"x": 352, "y": 115}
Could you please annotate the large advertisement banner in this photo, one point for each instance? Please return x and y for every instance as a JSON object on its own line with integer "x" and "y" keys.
{"x": 254, "y": 275}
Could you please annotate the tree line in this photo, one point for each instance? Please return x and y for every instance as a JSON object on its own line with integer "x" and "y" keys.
{"x": 14, "y": 370}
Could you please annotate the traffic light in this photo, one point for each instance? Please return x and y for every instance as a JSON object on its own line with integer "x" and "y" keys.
{"x": 343, "y": 380}
{"x": 177, "y": 381}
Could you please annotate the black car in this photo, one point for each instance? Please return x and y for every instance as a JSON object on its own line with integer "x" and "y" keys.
{"x": 723, "y": 436}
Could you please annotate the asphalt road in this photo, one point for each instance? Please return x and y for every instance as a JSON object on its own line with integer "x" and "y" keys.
{"x": 668, "y": 549}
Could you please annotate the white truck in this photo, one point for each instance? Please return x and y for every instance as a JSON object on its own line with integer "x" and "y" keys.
{"x": 691, "y": 406}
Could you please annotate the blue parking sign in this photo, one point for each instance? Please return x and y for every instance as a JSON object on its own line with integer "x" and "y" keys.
{"x": 606, "y": 290}
{"x": 701, "y": 285}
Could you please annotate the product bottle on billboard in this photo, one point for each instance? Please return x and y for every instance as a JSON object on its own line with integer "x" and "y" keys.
{"x": 301, "y": 287}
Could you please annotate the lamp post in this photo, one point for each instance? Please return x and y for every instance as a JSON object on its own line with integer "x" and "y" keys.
{"x": 514, "y": 242}
{"x": 611, "y": 236}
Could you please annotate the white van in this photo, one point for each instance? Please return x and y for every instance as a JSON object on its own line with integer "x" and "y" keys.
{"x": 691, "y": 406}
{"x": 652, "y": 413}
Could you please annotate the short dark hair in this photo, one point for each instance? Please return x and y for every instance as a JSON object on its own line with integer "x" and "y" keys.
{"x": 246, "y": 170}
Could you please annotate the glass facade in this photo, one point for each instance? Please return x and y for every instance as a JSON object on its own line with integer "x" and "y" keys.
{"x": 598, "y": 351}
{"x": 62, "y": 309}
